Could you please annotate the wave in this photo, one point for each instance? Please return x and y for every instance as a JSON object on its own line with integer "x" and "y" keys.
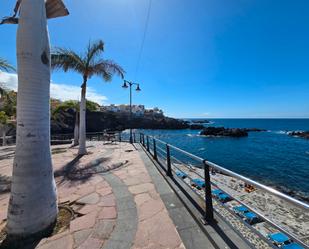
{"x": 190, "y": 135}
{"x": 193, "y": 134}
{"x": 281, "y": 132}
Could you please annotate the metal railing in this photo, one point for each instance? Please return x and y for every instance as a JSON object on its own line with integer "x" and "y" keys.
{"x": 166, "y": 155}
{"x": 68, "y": 137}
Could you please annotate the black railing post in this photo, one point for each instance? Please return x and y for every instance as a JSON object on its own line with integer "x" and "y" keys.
{"x": 209, "y": 214}
{"x": 140, "y": 138}
{"x": 143, "y": 140}
{"x": 134, "y": 138}
{"x": 155, "y": 157}
{"x": 168, "y": 161}
{"x": 147, "y": 140}
{"x": 120, "y": 136}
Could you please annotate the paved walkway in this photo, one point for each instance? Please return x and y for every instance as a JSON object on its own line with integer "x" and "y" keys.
{"x": 113, "y": 195}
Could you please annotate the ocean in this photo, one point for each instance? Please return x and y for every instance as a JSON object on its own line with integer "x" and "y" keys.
{"x": 271, "y": 157}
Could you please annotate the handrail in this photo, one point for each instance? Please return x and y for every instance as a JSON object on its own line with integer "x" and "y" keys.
{"x": 261, "y": 186}
{"x": 208, "y": 199}
{"x": 240, "y": 177}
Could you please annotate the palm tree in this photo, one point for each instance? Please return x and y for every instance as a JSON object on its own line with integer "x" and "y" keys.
{"x": 3, "y": 126}
{"x": 89, "y": 64}
{"x": 5, "y": 66}
{"x": 8, "y": 101}
{"x": 33, "y": 201}
{"x": 71, "y": 104}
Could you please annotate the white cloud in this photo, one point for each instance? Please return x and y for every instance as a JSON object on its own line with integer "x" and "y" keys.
{"x": 69, "y": 92}
{"x": 9, "y": 80}
{"x": 58, "y": 91}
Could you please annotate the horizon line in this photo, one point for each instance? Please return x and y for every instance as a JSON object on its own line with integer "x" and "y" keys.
{"x": 246, "y": 118}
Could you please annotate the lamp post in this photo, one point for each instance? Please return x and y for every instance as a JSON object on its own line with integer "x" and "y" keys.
{"x": 127, "y": 84}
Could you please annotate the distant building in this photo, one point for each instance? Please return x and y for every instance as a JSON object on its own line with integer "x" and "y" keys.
{"x": 138, "y": 110}
{"x": 154, "y": 112}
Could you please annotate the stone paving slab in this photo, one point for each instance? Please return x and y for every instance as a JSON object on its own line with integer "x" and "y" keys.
{"x": 92, "y": 198}
{"x": 128, "y": 207}
{"x": 194, "y": 234}
{"x": 123, "y": 235}
{"x": 116, "y": 209}
{"x": 155, "y": 227}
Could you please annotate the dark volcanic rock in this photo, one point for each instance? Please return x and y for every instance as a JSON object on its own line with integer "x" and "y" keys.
{"x": 196, "y": 127}
{"x": 225, "y": 132}
{"x": 303, "y": 134}
{"x": 254, "y": 129}
{"x": 200, "y": 121}
{"x": 63, "y": 122}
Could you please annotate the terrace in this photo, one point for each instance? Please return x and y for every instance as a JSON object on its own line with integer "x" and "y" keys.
{"x": 150, "y": 194}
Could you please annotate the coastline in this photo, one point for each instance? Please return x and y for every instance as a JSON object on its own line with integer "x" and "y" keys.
{"x": 272, "y": 157}
{"x": 289, "y": 217}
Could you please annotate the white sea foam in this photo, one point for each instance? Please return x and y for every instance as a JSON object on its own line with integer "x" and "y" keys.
{"x": 280, "y": 132}
{"x": 192, "y": 135}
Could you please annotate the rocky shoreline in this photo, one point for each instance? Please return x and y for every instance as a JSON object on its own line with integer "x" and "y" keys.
{"x": 290, "y": 217}
{"x": 63, "y": 122}
{"x": 302, "y": 134}
{"x": 200, "y": 121}
{"x": 228, "y": 132}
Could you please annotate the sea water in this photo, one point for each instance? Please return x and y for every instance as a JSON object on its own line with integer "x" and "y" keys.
{"x": 271, "y": 157}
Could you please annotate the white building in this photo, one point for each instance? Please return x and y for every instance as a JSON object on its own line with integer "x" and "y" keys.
{"x": 137, "y": 110}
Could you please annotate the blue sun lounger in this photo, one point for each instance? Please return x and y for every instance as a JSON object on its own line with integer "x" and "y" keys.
{"x": 224, "y": 197}
{"x": 279, "y": 239}
{"x": 240, "y": 209}
{"x": 251, "y": 218}
{"x": 293, "y": 245}
{"x": 216, "y": 192}
{"x": 198, "y": 183}
{"x": 181, "y": 174}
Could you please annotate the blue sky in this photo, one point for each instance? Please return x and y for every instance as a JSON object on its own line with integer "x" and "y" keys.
{"x": 201, "y": 58}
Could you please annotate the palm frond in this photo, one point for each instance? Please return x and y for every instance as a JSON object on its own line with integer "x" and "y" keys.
{"x": 106, "y": 68}
{"x": 94, "y": 49}
{"x": 89, "y": 64}
{"x": 67, "y": 60}
{"x": 5, "y": 66}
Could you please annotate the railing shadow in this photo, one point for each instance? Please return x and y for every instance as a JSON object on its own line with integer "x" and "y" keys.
{"x": 200, "y": 209}
{"x": 8, "y": 155}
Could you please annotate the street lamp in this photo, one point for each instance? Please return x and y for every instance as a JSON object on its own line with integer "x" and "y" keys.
{"x": 127, "y": 84}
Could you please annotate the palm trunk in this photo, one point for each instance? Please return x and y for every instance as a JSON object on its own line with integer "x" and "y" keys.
{"x": 33, "y": 202}
{"x": 82, "y": 117}
{"x": 76, "y": 129}
{"x": 3, "y": 137}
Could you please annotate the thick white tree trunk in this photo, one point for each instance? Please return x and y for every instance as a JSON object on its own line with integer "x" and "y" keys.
{"x": 82, "y": 123}
{"x": 33, "y": 202}
{"x": 76, "y": 129}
